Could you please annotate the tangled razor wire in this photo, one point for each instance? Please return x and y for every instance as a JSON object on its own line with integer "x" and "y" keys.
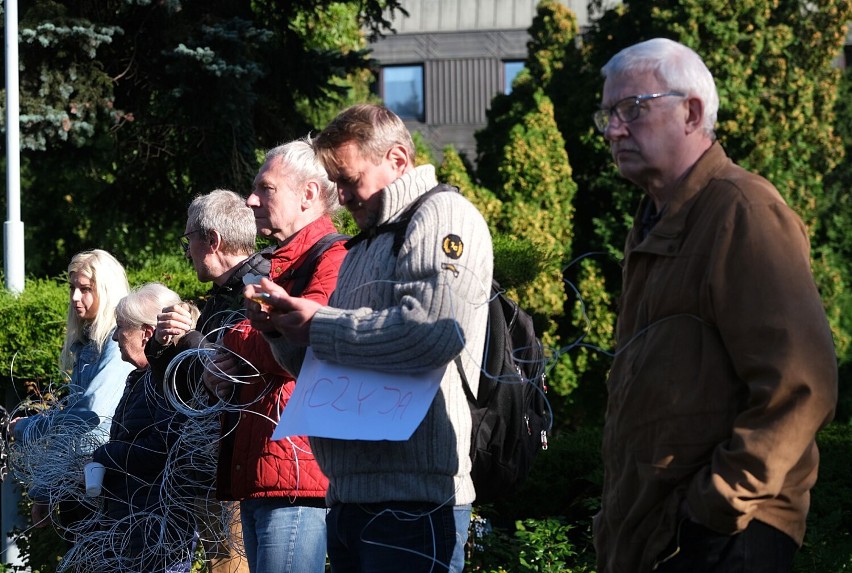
{"x": 49, "y": 464}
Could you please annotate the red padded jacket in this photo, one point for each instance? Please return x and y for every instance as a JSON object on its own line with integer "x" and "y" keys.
{"x": 250, "y": 464}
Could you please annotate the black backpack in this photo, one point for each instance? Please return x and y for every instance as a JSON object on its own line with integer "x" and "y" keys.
{"x": 511, "y": 415}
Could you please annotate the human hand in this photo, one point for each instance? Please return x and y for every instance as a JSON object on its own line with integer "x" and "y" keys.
{"x": 277, "y": 310}
{"x": 258, "y": 304}
{"x": 40, "y": 514}
{"x": 14, "y": 423}
{"x": 219, "y": 373}
{"x": 172, "y": 323}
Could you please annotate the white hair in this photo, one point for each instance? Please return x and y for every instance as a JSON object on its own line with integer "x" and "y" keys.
{"x": 676, "y": 66}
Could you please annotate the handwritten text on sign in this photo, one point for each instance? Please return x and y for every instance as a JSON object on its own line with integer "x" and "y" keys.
{"x": 333, "y": 401}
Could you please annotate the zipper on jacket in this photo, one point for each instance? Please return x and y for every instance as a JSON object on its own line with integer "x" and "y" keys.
{"x": 674, "y": 553}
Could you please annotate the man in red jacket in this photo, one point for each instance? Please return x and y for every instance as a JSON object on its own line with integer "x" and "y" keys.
{"x": 279, "y": 484}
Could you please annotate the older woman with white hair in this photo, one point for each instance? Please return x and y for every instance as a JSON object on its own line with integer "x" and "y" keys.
{"x": 148, "y": 536}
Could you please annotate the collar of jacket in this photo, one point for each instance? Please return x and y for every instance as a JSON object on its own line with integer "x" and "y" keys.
{"x": 395, "y": 199}
{"x": 257, "y": 263}
{"x": 665, "y": 237}
{"x": 293, "y": 251}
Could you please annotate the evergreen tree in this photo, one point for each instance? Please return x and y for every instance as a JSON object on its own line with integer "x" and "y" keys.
{"x": 833, "y": 240}
{"x": 454, "y": 172}
{"x": 772, "y": 61}
{"x": 553, "y": 29}
{"x": 131, "y": 108}
{"x": 537, "y": 192}
{"x": 522, "y": 156}
{"x": 772, "y": 64}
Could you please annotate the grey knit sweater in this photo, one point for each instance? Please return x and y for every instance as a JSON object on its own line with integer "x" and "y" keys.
{"x": 408, "y": 314}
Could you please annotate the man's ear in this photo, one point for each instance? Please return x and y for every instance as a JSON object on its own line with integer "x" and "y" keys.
{"x": 694, "y": 114}
{"x": 147, "y": 333}
{"x": 399, "y": 158}
{"x": 311, "y": 194}
{"x": 214, "y": 239}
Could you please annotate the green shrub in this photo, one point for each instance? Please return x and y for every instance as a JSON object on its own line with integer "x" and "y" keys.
{"x": 174, "y": 271}
{"x": 828, "y": 545}
{"x": 32, "y": 328}
{"x": 40, "y": 548}
{"x": 546, "y": 525}
{"x": 537, "y": 546}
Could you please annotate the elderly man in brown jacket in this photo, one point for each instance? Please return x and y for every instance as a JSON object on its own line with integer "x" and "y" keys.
{"x": 725, "y": 367}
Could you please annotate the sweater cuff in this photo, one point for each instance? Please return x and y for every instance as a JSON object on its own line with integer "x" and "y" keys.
{"x": 21, "y": 428}
{"x": 322, "y": 332}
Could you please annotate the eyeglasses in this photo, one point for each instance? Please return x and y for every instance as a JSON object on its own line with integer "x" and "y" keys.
{"x": 627, "y": 109}
{"x": 184, "y": 240}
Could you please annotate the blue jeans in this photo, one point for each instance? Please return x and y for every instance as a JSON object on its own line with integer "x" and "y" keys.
{"x": 283, "y": 538}
{"x": 396, "y": 536}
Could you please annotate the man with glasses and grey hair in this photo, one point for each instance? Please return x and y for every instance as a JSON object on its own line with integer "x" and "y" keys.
{"x": 725, "y": 369}
{"x": 220, "y": 241}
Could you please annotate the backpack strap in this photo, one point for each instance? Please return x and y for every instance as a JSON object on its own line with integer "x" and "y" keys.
{"x": 468, "y": 392}
{"x": 301, "y": 276}
{"x": 399, "y": 226}
{"x": 495, "y": 339}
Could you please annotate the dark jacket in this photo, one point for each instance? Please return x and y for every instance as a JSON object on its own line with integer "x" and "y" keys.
{"x": 221, "y": 308}
{"x": 142, "y": 433}
{"x": 222, "y": 301}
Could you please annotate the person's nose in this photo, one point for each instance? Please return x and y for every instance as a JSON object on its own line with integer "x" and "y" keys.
{"x": 615, "y": 129}
{"x": 76, "y": 295}
{"x": 252, "y": 201}
{"x": 344, "y": 195}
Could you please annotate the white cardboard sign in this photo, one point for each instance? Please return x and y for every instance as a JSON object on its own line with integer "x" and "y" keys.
{"x": 334, "y": 401}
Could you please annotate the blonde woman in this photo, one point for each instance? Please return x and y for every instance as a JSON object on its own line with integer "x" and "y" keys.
{"x": 97, "y": 281}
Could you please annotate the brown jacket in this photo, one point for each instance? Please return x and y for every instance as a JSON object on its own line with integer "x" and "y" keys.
{"x": 724, "y": 372}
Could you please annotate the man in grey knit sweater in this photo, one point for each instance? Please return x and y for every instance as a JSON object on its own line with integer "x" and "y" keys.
{"x": 395, "y": 505}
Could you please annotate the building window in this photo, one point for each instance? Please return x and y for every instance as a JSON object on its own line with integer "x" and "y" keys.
{"x": 510, "y": 71}
{"x": 402, "y": 91}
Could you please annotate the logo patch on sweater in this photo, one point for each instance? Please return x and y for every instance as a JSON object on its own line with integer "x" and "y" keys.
{"x": 452, "y": 246}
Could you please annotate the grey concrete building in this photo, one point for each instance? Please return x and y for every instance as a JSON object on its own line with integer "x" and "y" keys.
{"x": 449, "y": 58}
